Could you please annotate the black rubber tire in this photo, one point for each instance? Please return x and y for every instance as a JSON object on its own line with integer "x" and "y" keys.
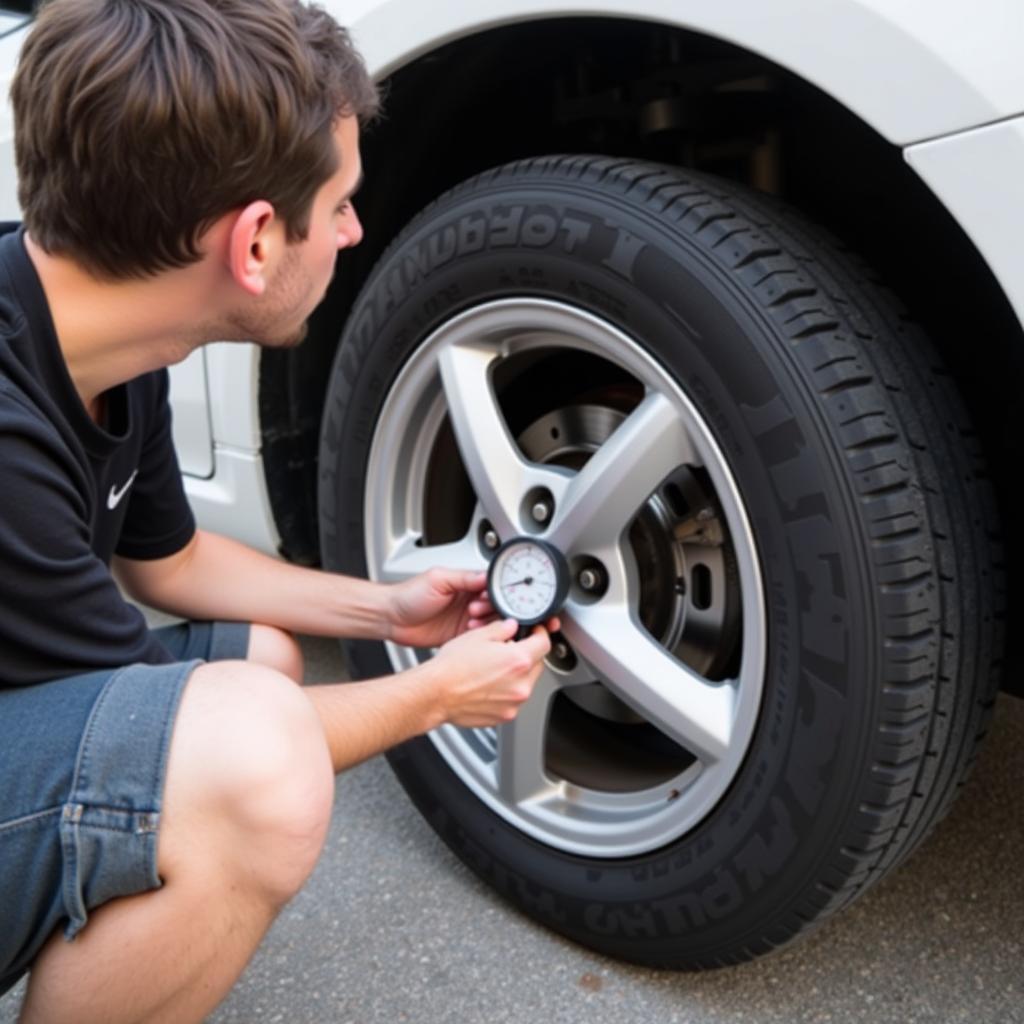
{"x": 869, "y": 507}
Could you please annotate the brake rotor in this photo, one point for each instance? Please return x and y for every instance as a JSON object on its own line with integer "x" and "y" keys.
{"x": 689, "y": 591}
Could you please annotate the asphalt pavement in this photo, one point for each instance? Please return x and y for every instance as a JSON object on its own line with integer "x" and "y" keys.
{"x": 392, "y": 928}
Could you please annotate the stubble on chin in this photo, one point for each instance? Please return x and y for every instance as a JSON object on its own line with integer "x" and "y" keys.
{"x": 296, "y": 338}
{"x": 262, "y": 331}
{"x": 270, "y": 320}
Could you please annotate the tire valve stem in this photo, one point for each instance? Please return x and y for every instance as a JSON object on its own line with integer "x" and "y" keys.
{"x": 674, "y": 794}
{"x": 490, "y": 540}
{"x": 680, "y": 586}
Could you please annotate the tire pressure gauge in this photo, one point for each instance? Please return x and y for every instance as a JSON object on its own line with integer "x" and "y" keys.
{"x": 528, "y": 580}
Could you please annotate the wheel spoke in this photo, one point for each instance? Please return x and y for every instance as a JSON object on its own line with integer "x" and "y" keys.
{"x": 561, "y": 779}
{"x": 520, "y": 769}
{"x": 693, "y": 711}
{"x": 620, "y": 476}
{"x": 409, "y": 558}
{"x": 496, "y": 468}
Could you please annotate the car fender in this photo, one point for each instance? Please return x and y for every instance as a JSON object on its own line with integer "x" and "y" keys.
{"x": 912, "y": 69}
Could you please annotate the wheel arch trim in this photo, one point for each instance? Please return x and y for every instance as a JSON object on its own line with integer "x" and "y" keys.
{"x": 958, "y": 63}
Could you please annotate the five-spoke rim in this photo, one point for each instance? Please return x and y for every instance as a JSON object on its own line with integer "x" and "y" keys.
{"x": 450, "y": 382}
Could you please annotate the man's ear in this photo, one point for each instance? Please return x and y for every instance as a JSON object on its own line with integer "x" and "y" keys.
{"x": 252, "y": 240}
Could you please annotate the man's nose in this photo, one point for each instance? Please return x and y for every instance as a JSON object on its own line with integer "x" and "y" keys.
{"x": 351, "y": 231}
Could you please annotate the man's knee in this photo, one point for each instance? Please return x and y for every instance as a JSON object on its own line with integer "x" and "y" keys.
{"x": 277, "y": 649}
{"x": 249, "y": 780}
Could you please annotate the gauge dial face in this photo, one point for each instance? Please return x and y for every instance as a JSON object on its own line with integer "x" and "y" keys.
{"x": 526, "y": 582}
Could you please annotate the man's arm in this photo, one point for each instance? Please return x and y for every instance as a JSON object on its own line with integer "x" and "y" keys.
{"x": 214, "y": 577}
{"x": 477, "y": 679}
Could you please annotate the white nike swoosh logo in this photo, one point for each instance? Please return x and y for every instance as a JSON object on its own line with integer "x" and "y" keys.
{"x": 115, "y": 496}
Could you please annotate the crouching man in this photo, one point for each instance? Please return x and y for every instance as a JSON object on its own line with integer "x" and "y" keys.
{"x": 186, "y": 170}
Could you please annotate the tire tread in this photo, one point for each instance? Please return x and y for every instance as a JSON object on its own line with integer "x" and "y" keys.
{"x": 858, "y": 345}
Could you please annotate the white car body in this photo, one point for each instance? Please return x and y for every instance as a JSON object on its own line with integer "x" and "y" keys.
{"x": 942, "y": 80}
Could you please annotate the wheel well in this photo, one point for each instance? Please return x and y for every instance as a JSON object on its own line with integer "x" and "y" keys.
{"x": 647, "y": 91}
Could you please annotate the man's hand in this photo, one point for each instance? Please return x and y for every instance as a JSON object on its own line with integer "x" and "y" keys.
{"x": 432, "y": 608}
{"x": 480, "y": 678}
{"x": 485, "y": 677}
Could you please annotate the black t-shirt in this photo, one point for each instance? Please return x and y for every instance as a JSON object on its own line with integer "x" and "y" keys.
{"x": 73, "y": 494}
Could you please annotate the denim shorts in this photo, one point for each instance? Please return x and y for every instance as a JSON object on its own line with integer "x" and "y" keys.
{"x": 82, "y": 764}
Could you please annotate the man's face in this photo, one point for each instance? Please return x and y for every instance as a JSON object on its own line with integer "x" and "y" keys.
{"x": 278, "y": 318}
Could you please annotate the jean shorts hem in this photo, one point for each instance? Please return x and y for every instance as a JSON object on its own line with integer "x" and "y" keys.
{"x": 108, "y": 826}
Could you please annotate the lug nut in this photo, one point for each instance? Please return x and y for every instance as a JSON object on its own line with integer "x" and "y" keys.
{"x": 490, "y": 539}
{"x": 541, "y": 511}
{"x": 560, "y": 649}
{"x": 589, "y": 579}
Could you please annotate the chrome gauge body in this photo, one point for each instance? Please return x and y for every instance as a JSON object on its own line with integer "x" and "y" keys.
{"x": 528, "y": 580}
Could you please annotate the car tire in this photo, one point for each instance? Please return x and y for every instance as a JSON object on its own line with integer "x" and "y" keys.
{"x": 848, "y": 550}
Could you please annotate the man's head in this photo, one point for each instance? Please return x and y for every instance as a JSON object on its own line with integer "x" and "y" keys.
{"x": 139, "y": 123}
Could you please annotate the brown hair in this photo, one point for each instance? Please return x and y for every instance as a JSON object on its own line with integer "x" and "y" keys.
{"x": 140, "y": 122}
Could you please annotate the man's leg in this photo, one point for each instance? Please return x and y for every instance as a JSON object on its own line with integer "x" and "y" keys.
{"x": 247, "y": 802}
{"x": 277, "y": 649}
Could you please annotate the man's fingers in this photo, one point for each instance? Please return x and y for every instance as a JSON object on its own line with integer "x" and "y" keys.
{"x": 503, "y": 629}
{"x": 456, "y": 581}
{"x": 538, "y": 643}
{"x": 472, "y": 581}
{"x": 480, "y": 609}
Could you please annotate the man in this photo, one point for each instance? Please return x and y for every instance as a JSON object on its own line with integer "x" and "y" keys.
{"x": 186, "y": 169}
